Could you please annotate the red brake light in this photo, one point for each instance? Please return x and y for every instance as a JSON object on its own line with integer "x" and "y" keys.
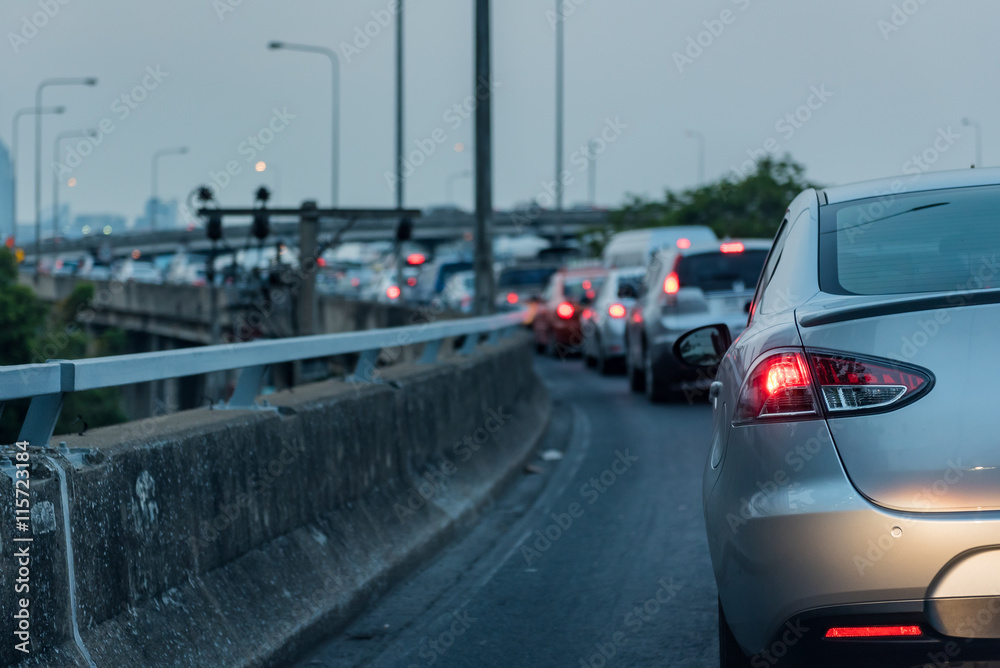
{"x": 565, "y": 310}
{"x": 849, "y": 383}
{"x": 320, "y": 262}
{"x": 587, "y": 285}
{"x": 512, "y": 298}
{"x": 779, "y": 386}
{"x": 616, "y": 311}
{"x": 732, "y": 247}
{"x": 392, "y": 292}
{"x": 412, "y": 281}
{"x": 872, "y": 631}
{"x": 672, "y": 284}
{"x": 355, "y": 282}
{"x": 416, "y": 258}
{"x": 683, "y": 243}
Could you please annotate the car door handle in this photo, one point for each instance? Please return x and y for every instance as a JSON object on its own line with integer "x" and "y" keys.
{"x": 714, "y": 390}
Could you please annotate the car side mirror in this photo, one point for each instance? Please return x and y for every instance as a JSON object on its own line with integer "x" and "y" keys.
{"x": 627, "y": 291}
{"x": 704, "y": 347}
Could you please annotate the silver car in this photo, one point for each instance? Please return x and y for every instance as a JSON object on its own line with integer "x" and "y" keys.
{"x": 700, "y": 284}
{"x": 852, "y": 490}
{"x": 603, "y": 320}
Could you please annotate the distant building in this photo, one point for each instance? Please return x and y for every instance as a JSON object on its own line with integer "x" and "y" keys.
{"x": 6, "y": 193}
{"x": 166, "y": 215}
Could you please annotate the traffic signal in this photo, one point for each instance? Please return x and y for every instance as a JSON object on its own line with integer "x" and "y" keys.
{"x": 214, "y": 227}
{"x": 404, "y": 231}
{"x": 261, "y": 224}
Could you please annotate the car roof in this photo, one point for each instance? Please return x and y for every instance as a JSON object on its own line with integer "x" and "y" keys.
{"x": 573, "y": 272}
{"x": 956, "y": 178}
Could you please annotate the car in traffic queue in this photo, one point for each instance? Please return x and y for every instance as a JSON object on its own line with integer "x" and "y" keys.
{"x": 852, "y": 488}
{"x": 684, "y": 287}
{"x": 603, "y": 321}
{"x": 556, "y": 325}
{"x": 521, "y": 285}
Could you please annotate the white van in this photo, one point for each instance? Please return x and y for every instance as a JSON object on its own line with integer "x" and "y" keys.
{"x": 636, "y": 248}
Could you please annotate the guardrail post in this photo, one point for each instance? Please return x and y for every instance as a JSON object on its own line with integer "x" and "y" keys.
{"x": 44, "y": 409}
{"x": 247, "y": 387}
{"x": 364, "y": 370}
{"x": 430, "y": 354}
{"x": 469, "y": 347}
{"x": 494, "y": 338}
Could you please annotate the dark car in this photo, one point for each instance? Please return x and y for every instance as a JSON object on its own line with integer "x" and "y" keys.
{"x": 556, "y": 324}
{"x": 521, "y": 286}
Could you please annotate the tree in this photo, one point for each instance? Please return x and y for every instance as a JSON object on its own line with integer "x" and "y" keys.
{"x": 751, "y": 207}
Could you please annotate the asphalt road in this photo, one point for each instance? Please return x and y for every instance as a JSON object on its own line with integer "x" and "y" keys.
{"x": 599, "y": 560}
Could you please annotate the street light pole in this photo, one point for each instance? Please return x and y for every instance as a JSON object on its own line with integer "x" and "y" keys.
{"x": 56, "y": 179}
{"x": 592, "y": 172}
{"x": 335, "y": 141}
{"x": 485, "y": 289}
{"x": 701, "y": 153}
{"x": 560, "y": 21}
{"x": 979, "y": 139}
{"x": 38, "y": 155}
{"x": 13, "y": 157}
{"x": 400, "y": 187}
{"x": 155, "y": 190}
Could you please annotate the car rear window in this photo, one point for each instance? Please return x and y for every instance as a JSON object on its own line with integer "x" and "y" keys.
{"x": 943, "y": 240}
{"x": 512, "y": 278}
{"x": 449, "y": 270}
{"x": 577, "y": 287}
{"x": 721, "y": 272}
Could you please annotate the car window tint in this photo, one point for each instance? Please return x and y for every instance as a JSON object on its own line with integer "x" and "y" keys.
{"x": 721, "y": 272}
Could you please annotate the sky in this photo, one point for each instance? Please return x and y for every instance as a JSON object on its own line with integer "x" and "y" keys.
{"x": 852, "y": 89}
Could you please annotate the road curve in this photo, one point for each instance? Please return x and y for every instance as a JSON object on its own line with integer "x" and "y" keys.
{"x": 599, "y": 560}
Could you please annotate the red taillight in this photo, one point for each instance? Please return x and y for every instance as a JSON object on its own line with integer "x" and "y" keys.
{"x": 355, "y": 282}
{"x": 587, "y": 285}
{"x": 873, "y": 631}
{"x": 320, "y": 262}
{"x": 416, "y": 259}
{"x": 392, "y": 292}
{"x": 512, "y": 298}
{"x": 850, "y": 383}
{"x": 732, "y": 247}
{"x": 616, "y": 311}
{"x": 784, "y": 385}
{"x": 565, "y": 310}
{"x": 683, "y": 243}
{"x": 412, "y": 281}
{"x": 672, "y": 284}
{"x": 778, "y": 386}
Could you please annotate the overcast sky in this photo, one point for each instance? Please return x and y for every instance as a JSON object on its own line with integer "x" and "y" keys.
{"x": 879, "y": 94}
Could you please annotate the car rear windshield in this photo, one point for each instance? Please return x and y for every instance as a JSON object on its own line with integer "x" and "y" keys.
{"x": 513, "y": 278}
{"x": 943, "y": 240}
{"x": 577, "y": 287}
{"x": 449, "y": 270}
{"x": 721, "y": 272}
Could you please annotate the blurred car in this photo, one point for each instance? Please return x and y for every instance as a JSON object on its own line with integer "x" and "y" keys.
{"x": 603, "y": 322}
{"x": 521, "y": 285}
{"x": 636, "y": 248}
{"x": 684, "y": 288}
{"x": 139, "y": 271}
{"x": 852, "y": 491}
{"x": 460, "y": 291}
{"x": 433, "y": 275}
{"x": 556, "y": 325}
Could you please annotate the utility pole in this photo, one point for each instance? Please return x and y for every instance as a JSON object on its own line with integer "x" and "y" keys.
{"x": 560, "y": 21}
{"x": 485, "y": 289}
{"x": 400, "y": 185}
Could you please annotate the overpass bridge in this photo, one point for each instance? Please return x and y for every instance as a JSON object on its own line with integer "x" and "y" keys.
{"x": 430, "y": 230}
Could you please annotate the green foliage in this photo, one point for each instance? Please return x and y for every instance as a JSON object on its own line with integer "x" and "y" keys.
{"x": 751, "y": 207}
{"x": 31, "y": 333}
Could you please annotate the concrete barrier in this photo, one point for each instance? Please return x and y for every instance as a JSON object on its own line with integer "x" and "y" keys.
{"x": 241, "y": 538}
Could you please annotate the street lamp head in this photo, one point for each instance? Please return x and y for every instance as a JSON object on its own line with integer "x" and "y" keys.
{"x": 276, "y": 45}
{"x": 59, "y": 110}
{"x": 182, "y": 150}
{"x": 965, "y": 121}
{"x": 92, "y": 81}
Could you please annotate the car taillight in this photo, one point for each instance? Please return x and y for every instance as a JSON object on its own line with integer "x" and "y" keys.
{"x": 512, "y": 297}
{"x": 616, "y": 311}
{"x": 786, "y": 385}
{"x": 850, "y": 384}
{"x": 412, "y": 281}
{"x": 671, "y": 284}
{"x": 778, "y": 387}
{"x": 732, "y": 247}
{"x": 872, "y": 631}
{"x": 392, "y": 292}
{"x": 565, "y": 310}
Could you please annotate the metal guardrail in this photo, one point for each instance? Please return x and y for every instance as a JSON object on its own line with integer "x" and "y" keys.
{"x": 46, "y": 384}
